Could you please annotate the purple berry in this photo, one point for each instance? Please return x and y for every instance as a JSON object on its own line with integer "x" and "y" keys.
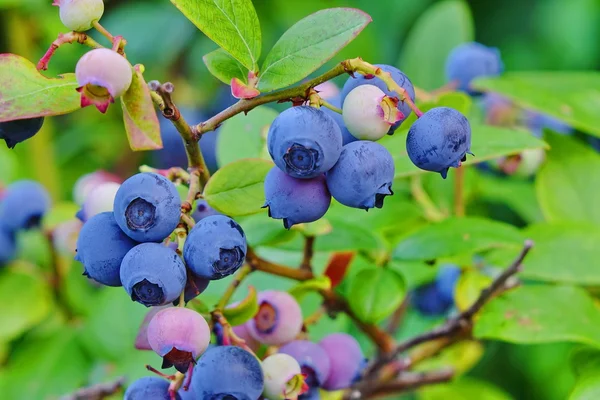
{"x": 103, "y": 75}
{"x": 363, "y": 176}
{"x": 141, "y": 339}
{"x": 79, "y": 15}
{"x": 203, "y": 210}
{"x": 304, "y": 142}
{"x": 278, "y": 320}
{"x": 215, "y": 247}
{"x": 149, "y": 387}
{"x": 101, "y": 247}
{"x": 537, "y": 122}
{"x": 439, "y": 139}
{"x": 147, "y": 207}
{"x": 227, "y": 373}
{"x": 346, "y": 359}
{"x": 153, "y": 274}
{"x": 313, "y": 360}
{"x": 295, "y": 200}
{"x": 193, "y": 287}
{"x": 17, "y": 131}
{"x": 23, "y": 205}
{"x": 283, "y": 377}
{"x": 179, "y": 335}
{"x": 472, "y": 60}
{"x": 398, "y": 76}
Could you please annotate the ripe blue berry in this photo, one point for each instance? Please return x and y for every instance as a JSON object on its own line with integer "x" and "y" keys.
{"x": 295, "y": 200}
{"x": 313, "y": 360}
{"x": 304, "y": 142}
{"x": 446, "y": 281}
{"x": 278, "y": 320}
{"x": 17, "y": 131}
{"x": 147, "y": 207}
{"x": 537, "y": 122}
{"x": 8, "y": 246}
{"x": 227, "y": 373}
{"x": 149, "y": 387}
{"x": 346, "y": 135}
{"x": 363, "y": 175}
{"x": 101, "y": 247}
{"x": 472, "y": 60}
{"x": 100, "y": 199}
{"x": 23, "y": 205}
{"x": 179, "y": 335}
{"x": 346, "y": 359}
{"x": 203, "y": 210}
{"x": 439, "y": 139}
{"x": 283, "y": 378}
{"x": 398, "y": 76}
{"x": 215, "y": 247}
{"x": 428, "y": 300}
{"x": 153, "y": 274}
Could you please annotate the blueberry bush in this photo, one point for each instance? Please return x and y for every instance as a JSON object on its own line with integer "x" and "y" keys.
{"x": 293, "y": 219}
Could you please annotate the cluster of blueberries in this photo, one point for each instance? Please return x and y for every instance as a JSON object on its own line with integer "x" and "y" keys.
{"x": 298, "y": 369}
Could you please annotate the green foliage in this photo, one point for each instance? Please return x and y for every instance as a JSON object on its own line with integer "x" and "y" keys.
{"x": 375, "y": 293}
{"x": 238, "y": 314}
{"x": 224, "y": 67}
{"x": 464, "y": 389}
{"x": 308, "y": 44}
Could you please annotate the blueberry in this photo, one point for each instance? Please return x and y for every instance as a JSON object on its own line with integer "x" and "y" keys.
{"x": 278, "y": 320}
{"x": 472, "y": 60}
{"x": 215, "y": 247}
{"x": 147, "y": 207}
{"x": 346, "y": 359}
{"x": 428, "y": 300}
{"x": 304, "y": 142}
{"x": 313, "y": 360}
{"x": 446, "y": 281}
{"x": 153, "y": 274}
{"x": 295, "y": 200}
{"x": 149, "y": 388}
{"x": 227, "y": 373}
{"x": 337, "y": 117}
{"x": 439, "y": 139}
{"x": 179, "y": 335}
{"x": 283, "y": 377}
{"x": 17, "y": 131}
{"x": 537, "y": 122}
{"x": 100, "y": 199}
{"x": 398, "y": 76}
{"x": 23, "y": 205}
{"x": 193, "y": 287}
{"x": 363, "y": 175}
{"x": 203, "y": 210}
{"x": 8, "y": 246}
{"x": 101, "y": 247}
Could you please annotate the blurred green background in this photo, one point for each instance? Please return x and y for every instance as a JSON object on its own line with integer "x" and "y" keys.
{"x": 46, "y": 352}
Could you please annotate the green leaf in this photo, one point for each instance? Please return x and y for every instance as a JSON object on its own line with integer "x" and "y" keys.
{"x": 465, "y": 388}
{"x": 26, "y": 300}
{"x": 487, "y": 143}
{"x": 237, "y": 188}
{"x": 572, "y": 97}
{"x": 45, "y": 367}
{"x": 348, "y": 236}
{"x": 541, "y": 314}
{"x": 311, "y": 285}
{"x": 439, "y": 29}
{"x": 224, "y": 67}
{"x": 468, "y": 288}
{"x": 587, "y": 387}
{"x": 566, "y": 184}
{"x": 141, "y": 121}
{"x": 232, "y": 24}
{"x": 308, "y": 44}
{"x": 375, "y": 293}
{"x": 25, "y": 93}
{"x": 457, "y": 236}
{"x": 239, "y": 313}
{"x": 245, "y": 136}
{"x": 262, "y": 230}
{"x": 461, "y": 357}
{"x": 61, "y": 212}
{"x": 9, "y": 165}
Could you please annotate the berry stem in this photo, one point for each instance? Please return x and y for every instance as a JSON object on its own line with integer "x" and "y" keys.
{"x": 235, "y": 283}
{"x": 64, "y": 38}
{"x": 459, "y": 192}
{"x": 432, "y": 213}
{"x": 260, "y": 264}
{"x": 189, "y": 221}
{"x": 309, "y": 244}
{"x": 103, "y": 31}
{"x": 331, "y": 106}
{"x": 314, "y": 100}
{"x": 413, "y": 381}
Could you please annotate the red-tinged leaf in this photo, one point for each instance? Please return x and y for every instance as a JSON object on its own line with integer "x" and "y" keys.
{"x": 141, "y": 121}
{"x": 240, "y": 90}
{"x": 25, "y": 93}
{"x": 337, "y": 266}
{"x": 224, "y": 66}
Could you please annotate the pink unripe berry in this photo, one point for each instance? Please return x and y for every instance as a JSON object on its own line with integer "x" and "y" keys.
{"x": 100, "y": 199}
{"x": 64, "y": 236}
{"x": 368, "y": 113}
{"x": 242, "y": 332}
{"x": 346, "y": 360}
{"x": 278, "y": 320}
{"x": 327, "y": 90}
{"x": 86, "y": 183}
{"x": 179, "y": 335}
{"x": 79, "y": 15}
{"x": 283, "y": 378}
{"x": 103, "y": 75}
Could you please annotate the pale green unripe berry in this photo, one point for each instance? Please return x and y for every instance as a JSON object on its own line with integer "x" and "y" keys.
{"x": 283, "y": 377}
{"x": 79, "y": 15}
{"x": 368, "y": 113}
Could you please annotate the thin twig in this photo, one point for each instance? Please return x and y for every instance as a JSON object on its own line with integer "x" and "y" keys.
{"x": 397, "y": 317}
{"x": 97, "y": 392}
{"x": 64, "y": 38}
{"x": 411, "y": 381}
{"x": 260, "y": 264}
{"x": 309, "y": 244}
{"x": 235, "y": 283}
